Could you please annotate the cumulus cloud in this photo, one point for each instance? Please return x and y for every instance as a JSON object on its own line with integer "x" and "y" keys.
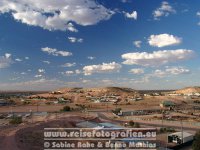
{"x": 156, "y": 58}
{"x": 23, "y": 73}
{"x": 69, "y": 72}
{"x": 132, "y": 15}
{"x": 77, "y": 71}
{"x": 56, "y": 15}
{"x": 18, "y": 59}
{"x": 91, "y": 57}
{"x": 170, "y": 71}
{"x": 137, "y": 71}
{"x": 38, "y": 76}
{"x": 164, "y": 10}
{"x": 55, "y": 52}
{"x": 7, "y": 55}
{"x": 68, "y": 65}
{"x": 46, "y": 62}
{"x": 162, "y": 40}
{"x": 5, "y": 61}
{"x": 198, "y": 14}
{"x": 177, "y": 70}
{"x": 41, "y": 70}
{"x": 75, "y": 40}
{"x": 137, "y": 43}
{"x": 102, "y": 68}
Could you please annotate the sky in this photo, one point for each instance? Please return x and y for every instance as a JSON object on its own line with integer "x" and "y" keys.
{"x": 141, "y": 44}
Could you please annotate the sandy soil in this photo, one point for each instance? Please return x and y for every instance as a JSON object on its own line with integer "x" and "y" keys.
{"x": 30, "y": 136}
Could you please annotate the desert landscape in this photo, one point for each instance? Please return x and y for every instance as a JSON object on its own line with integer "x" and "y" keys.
{"x": 65, "y": 107}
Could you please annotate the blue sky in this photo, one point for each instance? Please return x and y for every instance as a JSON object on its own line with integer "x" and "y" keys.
{"x": 84, "y": 43}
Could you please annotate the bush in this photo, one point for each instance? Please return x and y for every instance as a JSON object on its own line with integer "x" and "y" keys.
{"x": 116, "y": 111}
{"x": 66, "y": 108}
{"x": 134, "y": 124}
{"x": 131, "y": 123}
{"x": 196, "y": 143}
{"x": 137, "y": 125}
{"x": 164, "y": 130}
{"x": 26, "y": 102}
{"x": 16, "y": 120}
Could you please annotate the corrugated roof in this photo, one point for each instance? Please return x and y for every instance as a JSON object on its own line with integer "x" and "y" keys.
{"x": 179, "y": 134}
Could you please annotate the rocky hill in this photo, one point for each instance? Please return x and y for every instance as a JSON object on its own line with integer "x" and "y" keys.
{"x": 76, "y": 94}
{"x": 102, "y": 90}
{"x": 189, "y": 90}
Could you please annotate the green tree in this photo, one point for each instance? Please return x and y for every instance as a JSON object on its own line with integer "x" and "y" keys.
{"x": 196, "y": 143}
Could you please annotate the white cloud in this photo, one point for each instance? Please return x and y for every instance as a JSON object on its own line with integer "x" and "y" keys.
{"x": 102, "y": 68}
{"x": 69, "y": 65}
{"x": 41, "y": 70}
{"x": 91, "y": 57}
{"x": 156, "y": 58}
{"x": 71, "y": 27}
{"x": 85, "y": 81}
{"x": 132, "y": 15}
{"x": 137, "y": 43}
{"x": 27, "y": 58}
{"x": 18, "y": 59}
{"x": 159, "y": 73}
{"x": 5, "y": 61}
{"x": 177, "y": 70}
{"x": 75, "y": 40}
{"x": 55, "y": 52}
{"x": 38, "y": 76}
{"x": 46, "y": 62}
{"x": 170, "y": 71}
{"x": 164, "y": 10}
{"x": 69, "y": 72}
{"x": 162, "y": 40}
{"x": 143, "y": 80}
{"x": 7, "y": 55}
{"x": 198, "y": 13}
{"x": 78, "y": 71}
{"x": 137, "y": 71}
{"x": 56, "y": 15}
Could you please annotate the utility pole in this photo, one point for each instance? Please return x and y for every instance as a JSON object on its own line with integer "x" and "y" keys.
{"x": 86, "y": 117}
{"x": 162, "y": 118}
{"x": 12, "y": 112}
{"x": 31, "y": 113}
{"x": 37, "y": 106}
{"x": 181, "y": 131}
